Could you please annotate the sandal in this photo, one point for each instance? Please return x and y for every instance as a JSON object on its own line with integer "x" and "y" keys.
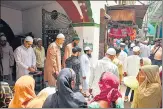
{"x": 126, "y": 99}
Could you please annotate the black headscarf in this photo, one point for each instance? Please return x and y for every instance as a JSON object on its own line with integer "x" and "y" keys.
{"x": 65, "y": 97}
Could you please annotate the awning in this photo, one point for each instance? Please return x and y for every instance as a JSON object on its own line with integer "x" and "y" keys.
{"x": 140, "y": 11}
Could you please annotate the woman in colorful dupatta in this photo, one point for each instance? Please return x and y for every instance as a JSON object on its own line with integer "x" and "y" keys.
{"x": 149, "y": 92}
{"x": 143, "y": 62}
{"x": 24, "y": 96}
{"x": 109, "y": 95}
{"x": 23, "y": 92}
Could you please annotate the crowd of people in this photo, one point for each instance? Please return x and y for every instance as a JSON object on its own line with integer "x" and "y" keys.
{"x": 74, "y": 81}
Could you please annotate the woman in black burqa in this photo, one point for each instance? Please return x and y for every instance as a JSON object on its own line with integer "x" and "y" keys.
{"x": 65, "y": 97}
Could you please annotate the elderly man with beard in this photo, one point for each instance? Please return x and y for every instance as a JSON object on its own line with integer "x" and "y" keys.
{"x": 85, "y": 65}
{"x": 103, "y": 65}
{"x": 53, "y": 60}
{"x": 68, "y": 49}
{"x": 7, "y": 58}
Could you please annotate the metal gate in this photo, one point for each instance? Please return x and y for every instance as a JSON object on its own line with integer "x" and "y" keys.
{"x": 54, "y": 23}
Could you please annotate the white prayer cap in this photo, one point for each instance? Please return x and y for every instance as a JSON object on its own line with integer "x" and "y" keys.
{"x": 39, "y": 39}
{"x": 146, "y": 42}
{"x": 122, "y": 44}
{"x": 60, "y": 35}
{"x": 29, "y": 38}
{"x": 3, "y": 38}
{"x": 87, "y": 48}
{"x": 136, "y": 49}
{"x": 111, "y": 51}
{"x": 132, "y": 45}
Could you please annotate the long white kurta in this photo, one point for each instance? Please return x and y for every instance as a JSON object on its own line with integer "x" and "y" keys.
{"x": 7, "y": 60}
{"x": 144, "y": 50}
{"x": 132, "y": 65}
{"x": 103, "y": 65}
{"x": 85, "y": 71}
{"x": 24, "y": 58}
{"x": 122, "y": 56}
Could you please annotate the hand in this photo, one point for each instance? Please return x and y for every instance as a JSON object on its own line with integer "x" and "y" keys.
{"x": 84, "y": 77}
{"x": 57, "y": 73}
{"x": 31, "y": 69}
{"x": 125, "y": 74}
{"x": 34, "y": 67}
{"x": 90, "y": 91}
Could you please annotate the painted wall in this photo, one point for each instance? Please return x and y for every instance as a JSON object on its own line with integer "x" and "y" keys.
{"x": 90, "y": 34}
{"x": 13, "y": 18}
{"x": 96, "y": 6}
{"x": 32, "y": 18}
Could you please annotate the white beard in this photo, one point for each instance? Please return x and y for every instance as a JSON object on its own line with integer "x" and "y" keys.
{"x": 60, "y": 46}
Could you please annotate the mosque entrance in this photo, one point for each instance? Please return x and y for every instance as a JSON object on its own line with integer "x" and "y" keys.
{"x": 54, "y": 23}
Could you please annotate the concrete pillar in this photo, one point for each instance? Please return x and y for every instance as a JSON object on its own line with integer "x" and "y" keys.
{"x": 89, "y": 33}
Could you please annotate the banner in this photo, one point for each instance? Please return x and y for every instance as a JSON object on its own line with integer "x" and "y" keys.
{"x": 120, "y": 32}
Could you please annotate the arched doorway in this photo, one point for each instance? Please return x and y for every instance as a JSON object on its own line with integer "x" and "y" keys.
{"x": 5, "y": 28}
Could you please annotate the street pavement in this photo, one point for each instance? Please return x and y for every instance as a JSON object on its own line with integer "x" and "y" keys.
{"x": 123, "y": 90}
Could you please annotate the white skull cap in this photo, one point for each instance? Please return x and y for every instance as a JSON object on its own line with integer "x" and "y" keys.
{"x": 39, "y": 39}
{"x": 136, "y": 49}
{"x": 132, "y": 45}
{"x": 60, "y": 35}
{"x": 29, "y": 38}
{"x": 87, "y": 48}
{"x": 3, "y": 38}
{"x": 111, "y": 51}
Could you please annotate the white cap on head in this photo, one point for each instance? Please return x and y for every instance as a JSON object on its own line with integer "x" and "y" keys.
{"x": 3, "y": 38}
{"x": 132, "y": 45}
{"x": 146, "y": 42}
{"x": 29, "y": 38}
{"x": 123, "y": 44}
{"x": 111, "y": 51}
{"x": 87, "y": 48}
{"x": 60, "y": 35}
{"x": 136, "y": 49}
{"x": 39, "y": 39}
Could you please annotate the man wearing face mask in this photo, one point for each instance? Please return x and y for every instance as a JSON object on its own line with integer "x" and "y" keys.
{"x": 68, "y": 49}
{"x": 7, "y": 58}
{"x": 103, "y": 65}
{"x": 85, "y": 69}
{"x": 53, "y": 60}
{"x": 25, "y": 58}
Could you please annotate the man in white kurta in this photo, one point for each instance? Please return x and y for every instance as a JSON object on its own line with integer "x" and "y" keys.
{"x": 123, "y": 55}
{"x": 144, "y": 49}
{"x": 85, "y": 66}
{"x": 103, "y": 65}
{"x": 132, "y": 63}
{"x": 131, "y": 68}
{"x": 25, "y": 58}
{"x": 7, "y": 58}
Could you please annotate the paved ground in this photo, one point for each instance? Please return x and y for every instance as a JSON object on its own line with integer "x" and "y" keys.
{"x": 123, "y": 89}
